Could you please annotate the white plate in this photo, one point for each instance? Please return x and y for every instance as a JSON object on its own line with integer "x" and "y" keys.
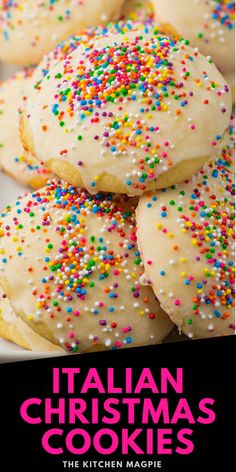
{"x": 10, "y": 352}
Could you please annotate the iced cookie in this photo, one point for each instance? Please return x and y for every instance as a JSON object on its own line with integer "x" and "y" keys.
{"x": 14, "y": 160}
{"x": 208, "y": 24}
{"x": 28, "y": 29}
{"x": 79, "y": 270}
{"x": 128, "y": 113}
{"x": 186, "y": 238}
{"x": 13, "y": 328}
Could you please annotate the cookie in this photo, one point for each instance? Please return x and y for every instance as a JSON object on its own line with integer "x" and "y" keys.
{"x": 80, "y": 267}
{"x": 128, "y": 113}
{"x": 186, "y": 238}
{"x": 21, "y": 165}
{"x": 28, "y": 29}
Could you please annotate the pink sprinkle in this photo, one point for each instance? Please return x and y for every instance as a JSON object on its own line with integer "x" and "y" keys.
{"x": 177, "y": 302}
{"x": 149, "y": 262}
{"x": 125, "y": 330}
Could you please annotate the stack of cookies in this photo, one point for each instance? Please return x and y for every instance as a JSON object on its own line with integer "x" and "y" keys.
{"x": 124, "y": 130}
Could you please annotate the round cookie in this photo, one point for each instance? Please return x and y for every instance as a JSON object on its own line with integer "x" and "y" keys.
{"x": 13, "y": 328}
{"x": 20, "y": 164}
{"x": 186, "y": 237}
{"x": 128, "y": 113}
{"x": 80, "y": 267}
{"x": 138, "y": 10}
{"x": 208, "y": 24}
{"x": 28, "y": 29}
